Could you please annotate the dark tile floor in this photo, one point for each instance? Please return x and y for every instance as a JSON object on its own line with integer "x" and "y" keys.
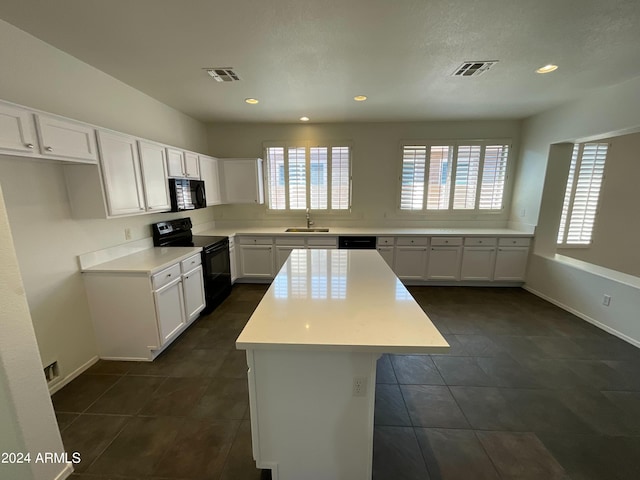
{"x": 526, "y": 391}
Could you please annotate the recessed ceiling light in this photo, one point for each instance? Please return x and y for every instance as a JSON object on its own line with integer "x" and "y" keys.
{"x": 360, "y": 98}
{"x": 251, "y": 101}
{"x": 304, "y": 119}
{"x": 547, "y": 68}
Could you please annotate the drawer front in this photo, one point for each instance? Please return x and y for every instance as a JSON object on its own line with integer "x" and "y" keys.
{"x": 290, "y": 241}
{"x": 166, "y": 276}
{"x": 481, "y": 241}
{"x": 413, "y": 241}
{"x": 322, "y": 242}
{"x": 256, "y": 240}
{"x": 514, "y": 242}
{"x": 191, "y": 263}
{"x": 385, "y": 241}
{"x": 446, "y": 241}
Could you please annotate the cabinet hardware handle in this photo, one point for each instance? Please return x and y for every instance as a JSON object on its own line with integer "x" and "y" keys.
{"x": 29, "y": 145}
{"x": 168, "y": 274}
{"x": 48, "y": 149}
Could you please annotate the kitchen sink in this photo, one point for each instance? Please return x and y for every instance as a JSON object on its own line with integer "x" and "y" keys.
{"x": 306, "y": 230}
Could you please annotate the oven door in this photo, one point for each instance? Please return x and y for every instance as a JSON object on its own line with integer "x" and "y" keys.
{"x": 217, "y": 273}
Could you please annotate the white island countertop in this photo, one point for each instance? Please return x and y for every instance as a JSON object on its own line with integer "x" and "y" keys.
{"x": 340, "y": 300}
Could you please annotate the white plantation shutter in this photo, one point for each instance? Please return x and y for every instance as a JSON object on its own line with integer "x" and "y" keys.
{"x": 578, "y": 220}
{"x": 340, "y": 178}
{"x": 494, "y": 174}
{"x": 466, "y": 177}
{"x": 568, "y": 194}
{"x": 318, "y": 176}
{"x": 297, "y": 178}
{"x": 276, "y": 178}
{"x": 439, "y": 186}
{"x": 413, "y": 166}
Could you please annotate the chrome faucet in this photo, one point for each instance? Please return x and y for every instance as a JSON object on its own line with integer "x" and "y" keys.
{"x": 309, "y": 222}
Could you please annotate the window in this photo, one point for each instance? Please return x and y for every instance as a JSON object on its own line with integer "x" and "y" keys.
{"x": 315, "y": 177}
{"x": 580, "y": 205}
{"x": 459, "y": 176}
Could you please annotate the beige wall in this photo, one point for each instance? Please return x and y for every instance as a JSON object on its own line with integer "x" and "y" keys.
{"x": 376, "y": 162}
{"x": 617, "y": 228}
{"x": 47, "y": 239}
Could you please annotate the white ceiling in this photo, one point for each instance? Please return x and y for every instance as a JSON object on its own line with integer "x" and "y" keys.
{"x": 310, "y": 57}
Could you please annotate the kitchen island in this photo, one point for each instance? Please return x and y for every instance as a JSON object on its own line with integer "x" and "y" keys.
{"x": 312, "y": 347}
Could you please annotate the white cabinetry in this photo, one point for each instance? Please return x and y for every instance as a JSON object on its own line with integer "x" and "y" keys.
{"x": 284, "y": 245}
{"x": 256, "y": 257}
{"x": 241, "y": 180}
{"x": 136, "y": 315}
{"x": 193, "y": 286}
{"x": 17, "y": 131}
{"x": 233, "y": 263}
{"x": 65, "y": 139}
{"x": 154, "y": 176}
{"x": 181, "y": 164}
{"x": 209, "y": 173}
{"x": 478, "y": 258}
{"x": 411, "y": 257}
{"x": 121, "y": 173}
{"x": 511, "y": 259}
{"x": 444, "y": 258}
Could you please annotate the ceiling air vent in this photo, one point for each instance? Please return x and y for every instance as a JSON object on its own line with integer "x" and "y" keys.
{"x": 222, "y": 74}
{"x": 473, "y": 69}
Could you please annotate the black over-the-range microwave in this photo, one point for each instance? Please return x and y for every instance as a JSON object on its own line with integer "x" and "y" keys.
{"x": 187, "y": 194}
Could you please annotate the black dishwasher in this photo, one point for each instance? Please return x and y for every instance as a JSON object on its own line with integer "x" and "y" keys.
{"x": 357, "y": 242}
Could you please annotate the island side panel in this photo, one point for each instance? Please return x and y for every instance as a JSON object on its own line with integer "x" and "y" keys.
{"x": 305, "y": 420}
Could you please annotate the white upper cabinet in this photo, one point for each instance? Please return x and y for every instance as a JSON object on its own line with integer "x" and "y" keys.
{"x": 241, "y": 180}
{"x": 181, "y": 164}
{"x": 154, "y": 176}
{"x": 121, "y": 173}
{"x": 209, "y": 173}
{"x": 191, "y": 165}
{"x": 17, "y": 131}
{"x": 66, "y": 140}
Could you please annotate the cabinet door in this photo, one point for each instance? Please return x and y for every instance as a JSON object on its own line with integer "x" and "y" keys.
{"x": 282, "y": 253}
{"x": 191, "y": 165}
{"x": 193, "y": 287}
{"x": 233, "y": 264}
{"x": 66, "y": 140}
{"x": 169, "y": 310}
{"x": 444, "y": 263}
{"x": 256, "y": 261}
{"x": 121, "y": 173}
{"x": 511, "y": 263}
{"x": 17, "y": 130}
{"x": 387, "y": 254}
{"x": 175, "y": 162}
{"x": 154, "y": 176}
{"x": 410, "y": 262}
{"x": 242, "y": 180}
{"x": 478, "y": 263}
{"x": 209, "y": 173}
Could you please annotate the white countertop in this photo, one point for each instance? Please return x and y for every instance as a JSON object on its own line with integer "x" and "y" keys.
{"x": 333, "y": 231}
{"x": 148, "y": 261}
{"x": 346, "y": 300}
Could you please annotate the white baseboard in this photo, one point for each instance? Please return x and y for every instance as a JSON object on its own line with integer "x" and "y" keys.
{"x": 584, "y": 317}
{"x": 65, "y": 473}
{"x": 67, "y": 379}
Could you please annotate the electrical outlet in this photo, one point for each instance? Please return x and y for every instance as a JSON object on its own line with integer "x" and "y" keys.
{"x": 522, "y": 212}
{"x": 606, "y": 300}
{"x": 359, "y": 386}
{"x": 127, "y": 234}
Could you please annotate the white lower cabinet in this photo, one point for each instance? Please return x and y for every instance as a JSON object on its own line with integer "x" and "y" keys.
{"x": 444, "y": 263}
{"x": 135, "y": 316}
{"x": 256, "y": 261}
{"x": 511, "y": 263}
{"x": 233, "y": 262}
{"x": 169, "y": 309}
{"x": 478, "y": 263}
{"x": 410, "y": 262}
{"x": 387, "y": 254}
